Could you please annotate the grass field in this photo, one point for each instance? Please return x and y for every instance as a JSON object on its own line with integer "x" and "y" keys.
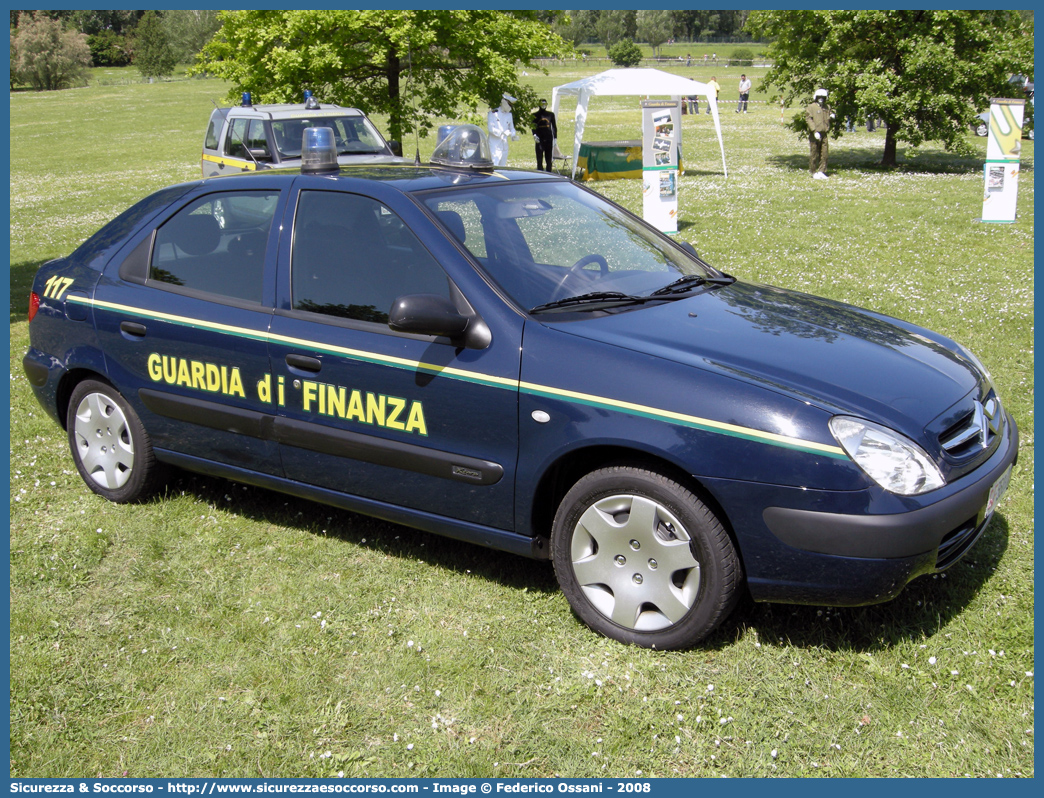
{"x": 227, "y": 631}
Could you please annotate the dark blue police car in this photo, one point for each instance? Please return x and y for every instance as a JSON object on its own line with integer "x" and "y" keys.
{"x": 509, "y": 359}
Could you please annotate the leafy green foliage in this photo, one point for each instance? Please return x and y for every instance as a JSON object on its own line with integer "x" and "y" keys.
{"x": 45, "y": 56}
{"x": 188, "y": 31}
{"x": 153, "y": 55}
{"x": 414, "y": 66}
{"x": 611, "y": 25}
{"x": 91, "y": 22}
{"x": 654, "y": 27}
{"x": 108, "y": 48}
{"x": 925, "y": 73}
{"x": 614, "y": 26}
{"x": 625, "y": 54}
{"x": 741, "y": 56}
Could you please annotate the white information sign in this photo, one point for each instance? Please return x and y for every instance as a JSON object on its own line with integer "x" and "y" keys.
{"x": 1003, "y": 148}
{"x": 661, "y": 162}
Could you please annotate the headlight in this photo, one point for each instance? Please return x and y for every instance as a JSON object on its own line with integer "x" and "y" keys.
{"x": 891, "y": 460}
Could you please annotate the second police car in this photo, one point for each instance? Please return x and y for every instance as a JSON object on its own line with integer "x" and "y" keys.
{"x": 507, "y": 358}
{"x": 248, "y": 137}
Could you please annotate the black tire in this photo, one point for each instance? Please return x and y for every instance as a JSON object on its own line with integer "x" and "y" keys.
{"x": 619, "y": 549}
{"x": 109, "y": 445}
{"x": 982, "y": 129}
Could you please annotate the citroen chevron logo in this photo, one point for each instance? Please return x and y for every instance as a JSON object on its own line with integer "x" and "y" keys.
{"x": 991, "y": 411}
{"x": 986, "y": 423}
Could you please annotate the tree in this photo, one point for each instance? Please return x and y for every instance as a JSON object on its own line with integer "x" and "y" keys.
{"x": 45, "y": 56}
{"x": 578, "y": 27}
{"x": 108, "y": 49}
{"x": 614, "y": 26}
{"x": 188, "y": 31}
{"x": 925, "y": 73}
{"x": 654, "y": 27}
{"x": 625, "y": 53}
{"x": 448, "y": 60}
{"x": 92, "y": 22}
{"x": 153, "y": 55}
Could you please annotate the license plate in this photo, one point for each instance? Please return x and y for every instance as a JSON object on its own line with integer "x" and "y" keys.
{"x": 997, "y": 491}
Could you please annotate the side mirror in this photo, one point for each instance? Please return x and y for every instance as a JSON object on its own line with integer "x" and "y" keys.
{"x": 260, "y": 153}
{"x": 430, "y": 314}
{"x": 395, "y": 147}
{"x": 690, "y": 249}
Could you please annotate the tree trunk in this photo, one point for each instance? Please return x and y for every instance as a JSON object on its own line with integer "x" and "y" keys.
{"x": 392, "y": 66}
{"x": 888, "y": 160}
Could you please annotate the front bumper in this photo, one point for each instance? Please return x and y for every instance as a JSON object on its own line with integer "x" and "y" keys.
{"x": 871, "y": 546}
{"x": 898, "y": 534}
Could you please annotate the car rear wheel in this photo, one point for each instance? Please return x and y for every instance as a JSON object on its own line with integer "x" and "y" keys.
{"x": 982, "y": 129}
{"x": 111, "y": 449}
{"x": 642, "y": 560}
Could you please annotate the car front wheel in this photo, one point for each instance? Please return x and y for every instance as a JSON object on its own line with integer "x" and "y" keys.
{"x": 982, "y": 129}
{"x": 111, "y": 449}
{"x": 642, "y": 560}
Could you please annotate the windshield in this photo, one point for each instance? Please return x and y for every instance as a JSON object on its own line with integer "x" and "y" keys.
{"x": 353, "y": 135}
{"x": 555, "y": 242}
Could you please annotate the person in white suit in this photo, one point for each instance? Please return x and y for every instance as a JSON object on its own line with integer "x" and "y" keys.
{"x": 501, "y": 126}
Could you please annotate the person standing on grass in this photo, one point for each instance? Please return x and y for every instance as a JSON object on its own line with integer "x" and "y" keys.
{"x": 712, "y": 84}
{"x": 545, "y": 131}
{"x": 817, "y": 117}
{"x": 501, "y": 126}
{"x": 744, "y": 94}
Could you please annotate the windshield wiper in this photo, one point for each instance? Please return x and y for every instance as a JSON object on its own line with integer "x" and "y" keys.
{"x": 592, "y": 301}
{"x": 690, "y": 281}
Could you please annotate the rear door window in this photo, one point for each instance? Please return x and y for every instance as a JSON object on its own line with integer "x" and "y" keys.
{"x": 216, "y": 245}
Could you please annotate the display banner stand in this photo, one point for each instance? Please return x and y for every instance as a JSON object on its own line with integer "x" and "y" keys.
{"x": 1001, "y": 173}
{"x": 661, "y": 162}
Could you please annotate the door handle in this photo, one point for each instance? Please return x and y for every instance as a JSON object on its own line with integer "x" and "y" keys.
{"x": 133, "y": 328}
{"x": 305, "y": 363}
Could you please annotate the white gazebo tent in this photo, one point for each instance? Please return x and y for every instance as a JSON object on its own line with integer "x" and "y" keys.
{"x": 645, "y": 82}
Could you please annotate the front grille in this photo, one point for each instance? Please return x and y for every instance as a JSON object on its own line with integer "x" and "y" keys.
{"x": 957, "y": 543}
{"x": 975, "y": 431}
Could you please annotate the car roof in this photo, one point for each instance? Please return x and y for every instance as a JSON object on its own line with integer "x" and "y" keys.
{"x": 406, "y": 177}
{"x": 289, "y": 111}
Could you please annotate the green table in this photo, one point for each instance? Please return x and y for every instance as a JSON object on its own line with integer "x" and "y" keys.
{"x": 609, "y": 160}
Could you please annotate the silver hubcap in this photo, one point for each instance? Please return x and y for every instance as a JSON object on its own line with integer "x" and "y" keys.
{"x": 103, "y": 441}
{"x": 633, "y": 561}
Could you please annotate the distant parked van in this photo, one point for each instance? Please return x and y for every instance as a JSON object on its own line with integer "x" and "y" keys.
{"x": 250, "y": 137}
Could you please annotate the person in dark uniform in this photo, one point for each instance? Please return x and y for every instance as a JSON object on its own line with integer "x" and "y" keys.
{"x": 545, "y": 131}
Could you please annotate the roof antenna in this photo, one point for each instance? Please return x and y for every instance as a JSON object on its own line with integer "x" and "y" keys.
{"x": 413, "y": 105}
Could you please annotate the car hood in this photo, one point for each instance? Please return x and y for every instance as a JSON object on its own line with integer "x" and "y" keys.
{"x": 832, "y": 355}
